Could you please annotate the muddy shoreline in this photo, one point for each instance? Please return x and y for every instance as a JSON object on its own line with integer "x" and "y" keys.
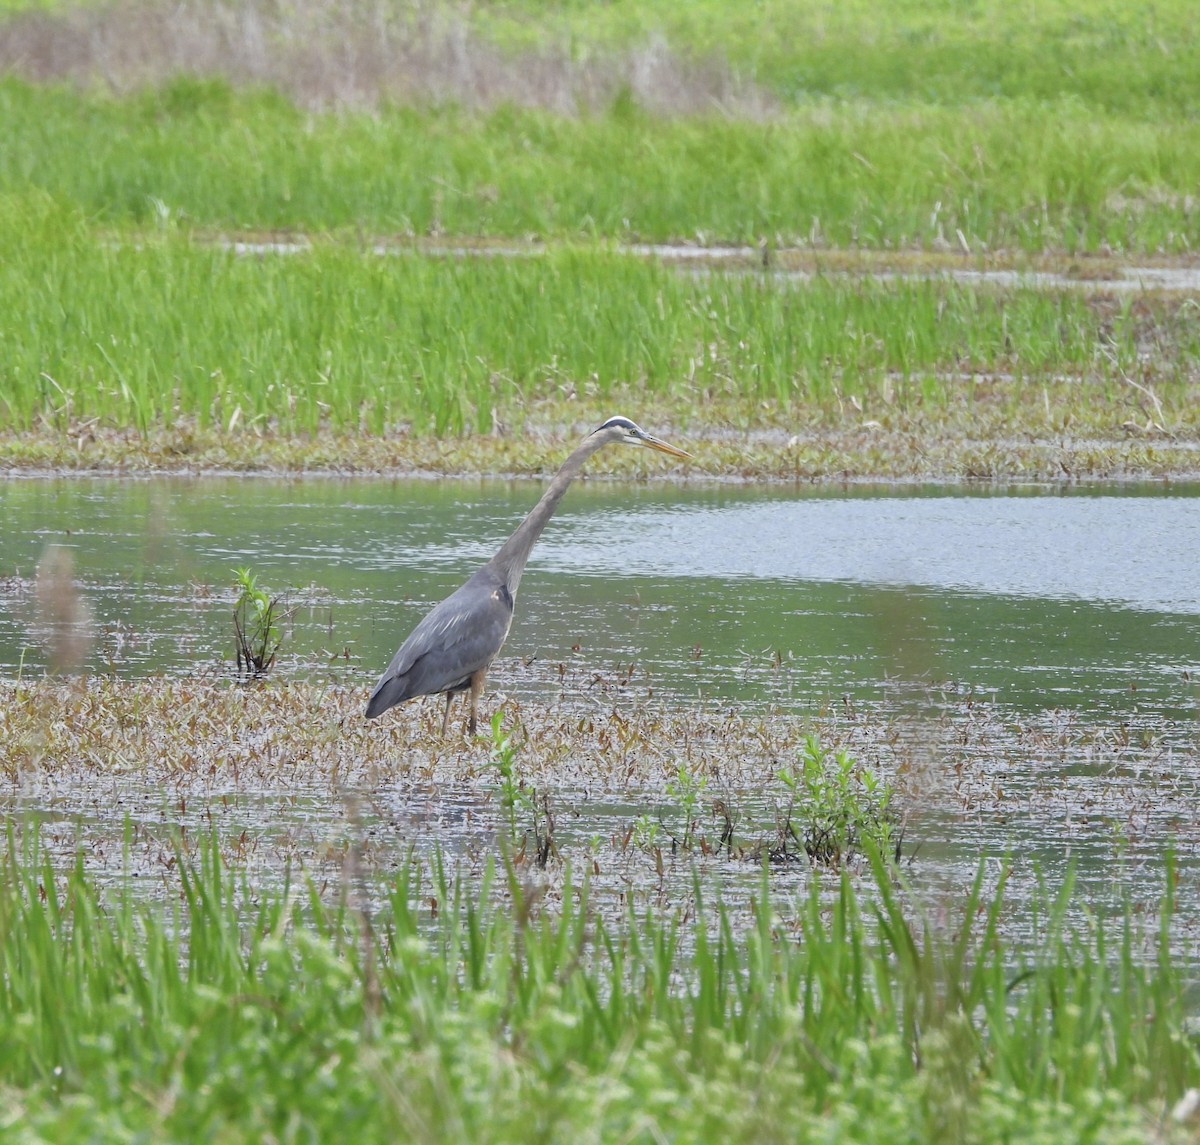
{"x": 864, "y": 453}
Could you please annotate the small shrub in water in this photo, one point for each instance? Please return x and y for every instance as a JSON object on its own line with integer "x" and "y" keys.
{"x": 255, "y": 627}
{"x": 836, "y": 806}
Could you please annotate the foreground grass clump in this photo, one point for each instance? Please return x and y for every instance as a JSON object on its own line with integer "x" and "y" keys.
{"x": 489, "y": 1013}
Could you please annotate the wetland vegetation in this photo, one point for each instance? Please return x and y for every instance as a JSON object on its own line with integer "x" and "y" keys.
{"x": 169, "y": 354}
{"x": 830, "y": 140}
{"x": 233, "y": 960}
{"x": 396, "y": 236}
{"x": 339, "y": 338}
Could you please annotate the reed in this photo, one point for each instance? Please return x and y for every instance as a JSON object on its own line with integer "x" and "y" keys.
{"x": 476, "y": 1010}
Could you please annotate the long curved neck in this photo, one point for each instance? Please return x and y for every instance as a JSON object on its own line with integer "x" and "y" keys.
{"x": 509, "y": 562}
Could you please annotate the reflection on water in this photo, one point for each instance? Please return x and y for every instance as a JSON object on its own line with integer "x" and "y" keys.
{"x": 1040, "y": 599}
{"x": 1075, "y": 614}
{"x": 1086, "y": 600}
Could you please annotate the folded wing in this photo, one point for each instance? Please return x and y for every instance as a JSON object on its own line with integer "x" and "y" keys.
{"x": 458, "y": 637}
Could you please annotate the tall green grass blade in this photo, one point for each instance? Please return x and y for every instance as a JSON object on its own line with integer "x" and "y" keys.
{"x": 247, "y": 1011}
{"x": 144, "y": 336}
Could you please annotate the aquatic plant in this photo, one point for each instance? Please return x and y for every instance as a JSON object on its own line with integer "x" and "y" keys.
{"x": 838, "y": 808}
{"x": 829, "y": 810}
{"x": 687, "y": 790}
{"x": 519, "y": 798}
{"x": 255, "y": 626}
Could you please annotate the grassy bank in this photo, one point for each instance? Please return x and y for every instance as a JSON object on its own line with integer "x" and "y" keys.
{"x": 478, "y": 1010}
{"x": 792, "y": 448}
{"x": 981, "y": 176}
{"x": 173, "y": 353}
{"x": 988, "y": 126}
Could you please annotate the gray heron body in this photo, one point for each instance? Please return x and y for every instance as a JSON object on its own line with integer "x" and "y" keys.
{"x": 451, "y": 649}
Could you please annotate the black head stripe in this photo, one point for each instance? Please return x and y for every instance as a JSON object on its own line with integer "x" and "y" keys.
{"x": 621, "y": 422}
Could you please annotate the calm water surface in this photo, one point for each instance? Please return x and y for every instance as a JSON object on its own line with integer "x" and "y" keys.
{"x": 1088, "y": 599}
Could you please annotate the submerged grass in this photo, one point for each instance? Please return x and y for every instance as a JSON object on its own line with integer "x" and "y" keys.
{"x": 446, "y": 1013}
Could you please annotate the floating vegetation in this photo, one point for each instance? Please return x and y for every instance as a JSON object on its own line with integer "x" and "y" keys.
{"x": 284, "y": 769}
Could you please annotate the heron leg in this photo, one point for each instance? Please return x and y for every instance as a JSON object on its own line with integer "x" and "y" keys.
{"x": 446, "y": 716}
{"x": 476, "y": 688}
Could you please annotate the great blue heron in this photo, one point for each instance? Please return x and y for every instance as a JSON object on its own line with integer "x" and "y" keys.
{"x": 451, "y": 650}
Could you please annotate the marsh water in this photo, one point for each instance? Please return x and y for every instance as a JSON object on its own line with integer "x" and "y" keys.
{"x": 1072, "y": 616}
{"x": 1087, "y": 598}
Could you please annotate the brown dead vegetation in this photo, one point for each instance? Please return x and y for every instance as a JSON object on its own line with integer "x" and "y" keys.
{"x": 323, "y": 54}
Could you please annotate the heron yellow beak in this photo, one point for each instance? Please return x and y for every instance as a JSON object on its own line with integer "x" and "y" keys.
{"x": 662, "y": 446}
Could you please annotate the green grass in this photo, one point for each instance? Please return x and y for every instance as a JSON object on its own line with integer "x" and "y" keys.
{"x": 1016, "y": 174}
{"x": 934, "y": 50}
{"x": 245, "y": 1012}
{"x": 1066, "y": 125}
{"x": 921, "y": 126}
{"x": 147, "y": 335}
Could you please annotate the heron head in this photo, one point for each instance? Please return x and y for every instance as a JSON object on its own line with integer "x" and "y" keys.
{"x": 632, "y": 434}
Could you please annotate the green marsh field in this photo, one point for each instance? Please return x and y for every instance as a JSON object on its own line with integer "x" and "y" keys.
{"x": 808, "y": 242}
{"x": 836, "y": 147}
